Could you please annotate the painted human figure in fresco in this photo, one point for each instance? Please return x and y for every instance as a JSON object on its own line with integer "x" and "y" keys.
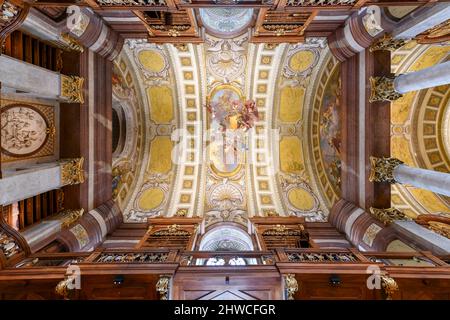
{"x": 250, "y": 115}
{"x": 330, "y": 130}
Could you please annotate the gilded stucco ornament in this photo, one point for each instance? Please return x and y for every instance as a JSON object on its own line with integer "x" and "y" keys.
{"x": 162, "y": 286}
{"x": 71, "y": 43}
{"x": 72, "y": 88}
{"x": 389, "y": 286}
{"x": 8, "y": 12}
{"x": 291, "y": 285}
{"x": 319, "y": 3}
{"x": 383, "y": 89}
{"x": 72, "y": 171}
{"x": 387, "y": 43}
{"x": 136, "y": 3}
{"x": 8, "y": 245}
{"x": 382, "y": 169}
{"x": 69, "y": 216}
{"x": 65, "y": 287}
{"x": 387, "y": 216}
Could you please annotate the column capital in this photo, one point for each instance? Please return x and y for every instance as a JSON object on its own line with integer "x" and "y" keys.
{"x": 72, "y": 88}
{"x": 387, "y": 216}
{"x": 382, "y": 169}
{"x": 383, "y": 89}
{"x": 72, "y": 171}
{"x": 387, "y": 42}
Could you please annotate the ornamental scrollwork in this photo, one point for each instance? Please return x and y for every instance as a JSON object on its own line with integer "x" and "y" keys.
{"x": 8, "y": 12}
{"x": 72, "y": 171}
{"x": 65, "y": 287}
{"x": 321, "y": 257}
{"x": 72, "y": 88}
{"x": 382, "y": 169}
{"x": 383, "y": 89}
{"x": 162, "y": 287}
{"x": 291, "y": 286}
{"x": 143, "y": 257}
{"x": 387, "y": 43}
{"x": 69, "y": 216}
{"x": 387, "y": 216}
{"x": 172, "y": 230}
{"x": 137, "y": 3}
{"x": 319, "y": 3}
{"x": 389, "y": 286}
{"x": 8, "y": 245}
{"x": 71, "y": 43}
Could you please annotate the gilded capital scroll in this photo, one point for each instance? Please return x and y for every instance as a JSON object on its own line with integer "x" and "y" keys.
{"x": 72, "y": 88}
{"x": 387, "y": 216}
{"x": 72, "y": 171}
{"x": 387, "y": 43}
{"x": 382, "y": 89}
{"x": 382, "y": 169}
{"x": 69, "y": 216}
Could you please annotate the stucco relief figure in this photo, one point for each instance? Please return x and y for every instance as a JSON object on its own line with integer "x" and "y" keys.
{"x": 23, "y": 130}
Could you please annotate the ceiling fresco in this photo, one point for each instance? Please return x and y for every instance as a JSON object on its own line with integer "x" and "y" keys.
{"x": 420, "y": 133}
{"x": 228, "y": 130}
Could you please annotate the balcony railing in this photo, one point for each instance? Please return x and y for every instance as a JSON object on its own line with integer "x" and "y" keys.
{"x": 232, "y": 259}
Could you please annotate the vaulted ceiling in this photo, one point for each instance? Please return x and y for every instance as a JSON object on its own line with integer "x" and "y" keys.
{"x": 288, "y": 162}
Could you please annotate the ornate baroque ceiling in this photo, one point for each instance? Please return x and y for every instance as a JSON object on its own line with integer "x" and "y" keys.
{"x": 170, "y": 164}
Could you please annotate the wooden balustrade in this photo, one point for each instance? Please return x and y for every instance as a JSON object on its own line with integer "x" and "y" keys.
{"x": 200, "y": 258}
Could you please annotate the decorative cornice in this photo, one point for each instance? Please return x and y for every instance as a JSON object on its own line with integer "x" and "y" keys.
{"x": 383, "y": 89}
{"x": 291, "y": 286}
{"x": 387, "y": 216}
{"x": 72, "y": 88}
{"x": 72, "y": 171}
{"x": 382, "y": 169}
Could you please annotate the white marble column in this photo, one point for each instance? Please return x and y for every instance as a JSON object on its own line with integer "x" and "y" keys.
{"x": 431, "y": 240}
{"x": 422, "y": 20}
{"x": 435, "y": 181}
{"x": 28, "y": 183}
{"x": 434, "y": 76}
{"x": 39, "y": 82}
{"x": 391, "y": 89}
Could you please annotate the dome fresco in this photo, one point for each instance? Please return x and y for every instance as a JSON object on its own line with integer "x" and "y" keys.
{"x": 226, "y": 20}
